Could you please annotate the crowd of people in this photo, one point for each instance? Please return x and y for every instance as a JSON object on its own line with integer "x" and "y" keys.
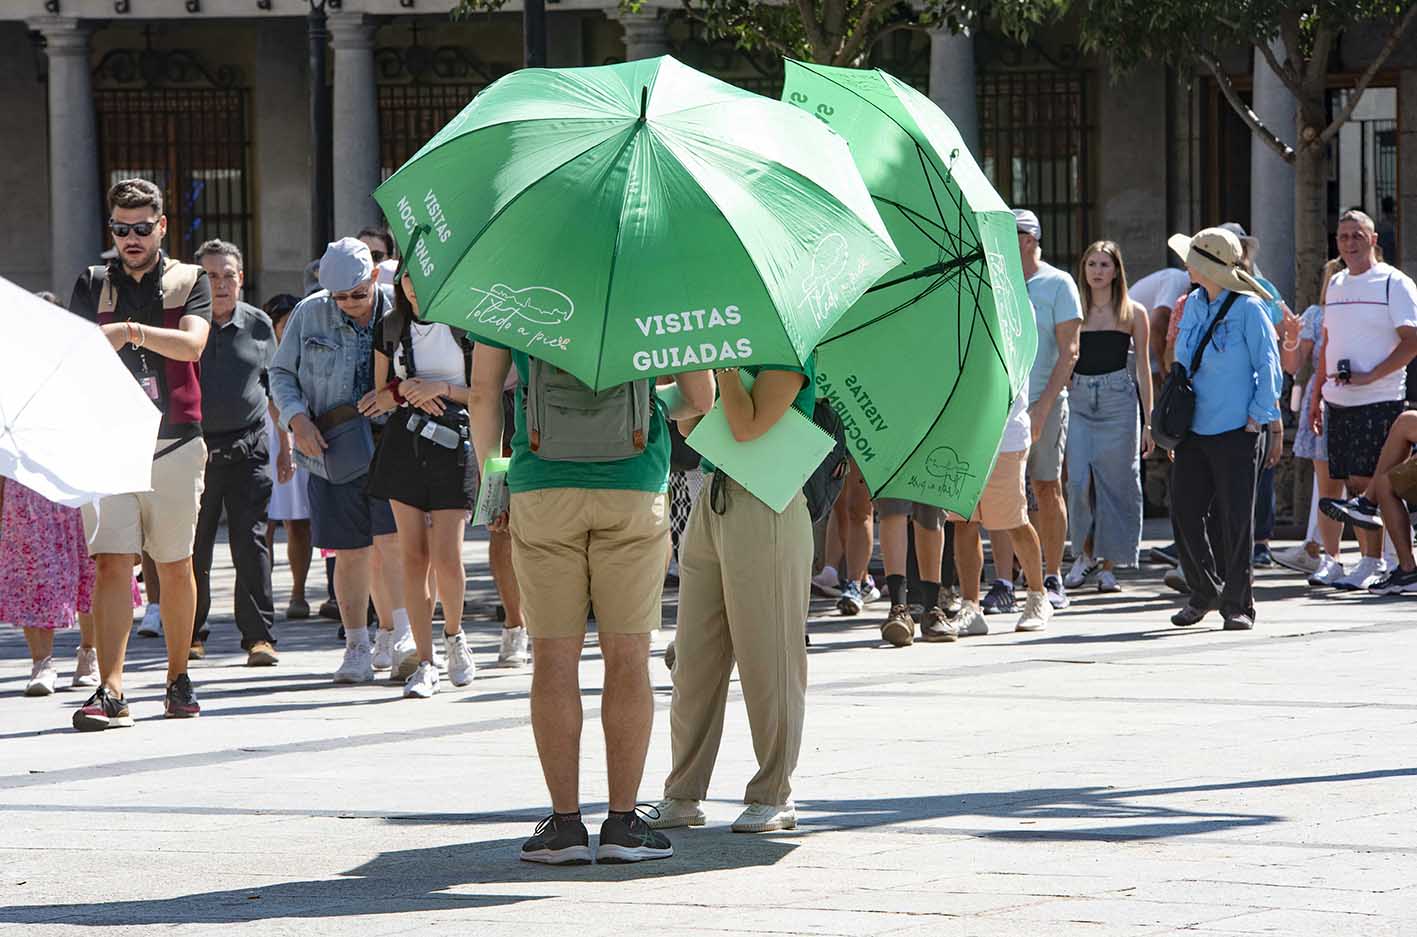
{"x": 360, "y": 427}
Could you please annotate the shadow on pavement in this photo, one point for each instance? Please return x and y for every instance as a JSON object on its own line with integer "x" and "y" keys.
{"x": 404, "y": 881}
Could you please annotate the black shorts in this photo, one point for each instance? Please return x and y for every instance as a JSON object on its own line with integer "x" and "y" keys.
{"x": 1356, "y": 436}
{"x": 416, "y": 471}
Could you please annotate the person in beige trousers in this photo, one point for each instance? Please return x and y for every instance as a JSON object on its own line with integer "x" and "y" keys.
{"x": 733, "y": 537}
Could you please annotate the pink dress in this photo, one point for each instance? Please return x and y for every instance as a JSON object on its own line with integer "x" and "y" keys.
{"x": 46, "y": 575}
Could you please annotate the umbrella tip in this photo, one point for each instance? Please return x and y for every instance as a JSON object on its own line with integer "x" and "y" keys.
{"x": 644, "y": 102}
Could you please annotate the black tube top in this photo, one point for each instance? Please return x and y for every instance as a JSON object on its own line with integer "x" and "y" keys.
{"x": 1102, "y": 352}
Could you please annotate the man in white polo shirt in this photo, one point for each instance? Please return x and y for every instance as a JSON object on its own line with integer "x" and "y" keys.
{"x": 1370, "y": 320}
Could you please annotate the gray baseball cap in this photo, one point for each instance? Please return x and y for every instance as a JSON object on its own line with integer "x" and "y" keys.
{"x": 345, "y": 265}
{"x": 1028, "y": 223}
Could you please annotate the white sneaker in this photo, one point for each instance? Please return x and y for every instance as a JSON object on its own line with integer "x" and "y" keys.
{"x": 1107, "y": 582}
{"x": 673, "y": 812}
{"x": 422, "y": 683}
{"x": 1368, "y": 571}
{"x": 405, "y": 656}
{"x": 1298, "y": 559}
{"x": 461, "y": 667}
{"x": 971, "y": 621}
{"x": 1083, "y": 568}
{"x": 1330, "y": 571}
{"x": 357, "y": 666}
{"x": 827, "y": 583}
{"x": 42, "y": 677}
{"x": 1037, "y": 612}
{"x": 765, "y": 818}
{"x": 514, "y": 652}
{"x": 384, "y": 650}
{"x": 86, "y": 668}
{"x": 151, "y": 625}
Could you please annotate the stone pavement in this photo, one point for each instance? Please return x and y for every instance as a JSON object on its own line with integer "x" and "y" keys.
{"x": 1111, "y": 776}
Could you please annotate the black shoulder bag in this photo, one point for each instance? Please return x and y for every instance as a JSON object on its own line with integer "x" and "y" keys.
{"x": 1175, "y": 407}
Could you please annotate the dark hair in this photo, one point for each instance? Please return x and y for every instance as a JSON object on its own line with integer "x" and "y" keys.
{"x": 402, "y": 305}
{"x": 224, "y": 248}
{"x": 135, "y": 193}
{"x": 380, "y": 232}
{"x": 279, "y": 306}
{"x": 49, "y": 297}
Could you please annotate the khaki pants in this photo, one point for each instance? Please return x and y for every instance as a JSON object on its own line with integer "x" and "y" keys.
{"x": 765, "y": 558}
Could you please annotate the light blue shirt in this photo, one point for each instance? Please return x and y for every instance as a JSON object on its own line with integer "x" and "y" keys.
{"x": 1239, "y": 375}
{"x": 1055, "y": 301}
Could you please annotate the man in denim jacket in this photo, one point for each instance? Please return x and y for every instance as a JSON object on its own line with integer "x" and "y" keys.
{"x": 323, "y": 367}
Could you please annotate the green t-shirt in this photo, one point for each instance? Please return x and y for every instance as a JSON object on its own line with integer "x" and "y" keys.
{"x": 648, "y": 471}
{"x": 805, "y": 401}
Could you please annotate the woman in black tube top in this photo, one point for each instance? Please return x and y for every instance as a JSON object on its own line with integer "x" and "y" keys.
{"x": 1108, "y": 433}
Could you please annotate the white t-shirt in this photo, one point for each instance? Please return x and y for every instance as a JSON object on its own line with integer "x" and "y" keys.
{"x": 436, "y": 354}
{"x": 1017, "y": 431}
{"x": 1361, "y": 317}
{"x": 1161, "y": 288}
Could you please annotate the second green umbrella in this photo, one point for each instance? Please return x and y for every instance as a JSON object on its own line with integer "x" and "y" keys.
{"x": 630, "y": 220}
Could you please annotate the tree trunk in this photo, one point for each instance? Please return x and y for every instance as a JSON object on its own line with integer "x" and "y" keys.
{"x": 1310, "y": 200}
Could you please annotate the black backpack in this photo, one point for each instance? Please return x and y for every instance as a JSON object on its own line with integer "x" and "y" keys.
{"x": 824, "y": 485}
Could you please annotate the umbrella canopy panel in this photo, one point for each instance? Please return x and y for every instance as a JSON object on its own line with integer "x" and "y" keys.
{"x": 639, "y": 219}
{"x": 925, "y": 367}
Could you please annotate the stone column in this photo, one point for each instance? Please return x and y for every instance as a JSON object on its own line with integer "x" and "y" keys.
{"x": 75, "y": 196}
{"x": 646, "y": 34}
{"x": 952, "y": 82}
{"x": 355, "y": 123}
{"x": 1407, "y": 170}
{"x": 1272, "y": 180}
{"x": 282, "y": 184}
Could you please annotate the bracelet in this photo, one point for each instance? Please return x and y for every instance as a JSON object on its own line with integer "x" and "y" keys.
{"x": 128, "y": 332}
{"x": 1289, "y": 347}
{"x": 393, "y": 387}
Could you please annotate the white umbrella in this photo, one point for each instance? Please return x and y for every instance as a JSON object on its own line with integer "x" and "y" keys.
{"x": 74, "y": 425}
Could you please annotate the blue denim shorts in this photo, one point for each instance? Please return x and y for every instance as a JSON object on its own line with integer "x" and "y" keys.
{"x": 343, "y": 517}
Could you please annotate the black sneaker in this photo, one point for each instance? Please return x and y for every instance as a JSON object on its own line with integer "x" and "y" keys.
{"x": 102, "y": 711}
{"x": 1396, "y": 582}
{"x": 1359, "y": 511}
{"x": 1262, "y": 558}
{"x": 1000, "y": 598}
{"x": 181, "y": 701}
{"x": 626, "y": 837}
{"x": 559, "y": 840}
{"x": 1165, "y": 555}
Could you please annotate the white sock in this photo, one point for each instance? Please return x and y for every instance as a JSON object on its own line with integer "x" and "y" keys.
{"x": 401, "y": 623}
{"x": 356, "y": 637}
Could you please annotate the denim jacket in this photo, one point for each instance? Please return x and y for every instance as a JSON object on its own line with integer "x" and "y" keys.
{"x": 314, "y": 367}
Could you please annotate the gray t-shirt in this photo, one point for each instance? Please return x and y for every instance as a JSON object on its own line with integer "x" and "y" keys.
{"x": 1055, "y": 300}
{"x": 233, "y": 367}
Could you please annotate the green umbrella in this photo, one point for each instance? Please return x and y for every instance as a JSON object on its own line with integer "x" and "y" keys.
{"x": 630, "y": 220}
{"x": 924, "y": 368}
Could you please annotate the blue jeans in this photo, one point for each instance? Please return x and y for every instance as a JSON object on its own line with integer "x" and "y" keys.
{"x": 1104, "y": 466}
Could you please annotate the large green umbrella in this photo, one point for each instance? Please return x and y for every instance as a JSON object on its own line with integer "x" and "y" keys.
{"x": 924, "y": 368}
{"x": 638, "y": 219}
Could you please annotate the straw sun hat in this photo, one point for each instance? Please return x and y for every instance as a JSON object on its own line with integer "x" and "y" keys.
{"x": 1215, "y": 254}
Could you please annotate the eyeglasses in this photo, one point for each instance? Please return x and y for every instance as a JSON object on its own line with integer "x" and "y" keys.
{"x": 142, "y": 229}
{"x": 358, "y": 296}
{"x": 379, "y": 256}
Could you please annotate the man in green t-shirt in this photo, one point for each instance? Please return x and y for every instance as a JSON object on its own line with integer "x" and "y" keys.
{"x": 583, "y": 534}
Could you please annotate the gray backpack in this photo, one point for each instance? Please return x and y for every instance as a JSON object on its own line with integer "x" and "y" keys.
{"x": 566, "y": 421}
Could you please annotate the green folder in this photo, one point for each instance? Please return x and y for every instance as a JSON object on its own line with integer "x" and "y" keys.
{"x": 776, "y": 464}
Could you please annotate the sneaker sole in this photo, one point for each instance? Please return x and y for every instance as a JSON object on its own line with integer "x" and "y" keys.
{"x": 461, "y": 683}
{"x": 847, "y": 610}
{"x": 785, "y": 823}
{"x": 939, "y": 639}
{"x": 1028, "y": 629}
{"x": 677, "y": 823}
{"x": 898, "y": 634}
{"x": 571, "y": 855}
{"x": 511, "y": 664}
{"x": 84, "y": 683}
{"x": 148, "y": 633}
{"x": 38, "y": 690}
{"x": 262, "y": 661}
{"x": 611, "y": 854}
{"x": 1343, "y": 517}
{"x": 179, "y": 714}
{"x": 350, "y": 681}
{"x": 1393, "y": 590}
{"x": 1296, "y": 567}
{"x": 410, "y": 694}
{"x": 99, "y": 723}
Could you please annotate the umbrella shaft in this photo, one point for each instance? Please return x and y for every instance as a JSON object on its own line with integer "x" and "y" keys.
{"x": 943, "y": 266}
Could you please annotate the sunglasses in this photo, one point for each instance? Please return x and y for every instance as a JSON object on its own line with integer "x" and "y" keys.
{"x": 358, "y": 296}
{"x": 379, "y": 256}
{"x": 142, "y": 229}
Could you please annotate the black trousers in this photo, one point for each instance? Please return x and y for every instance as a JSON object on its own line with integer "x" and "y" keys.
{"x": 244, "y": 489}
{"x": 1213, "y": 515}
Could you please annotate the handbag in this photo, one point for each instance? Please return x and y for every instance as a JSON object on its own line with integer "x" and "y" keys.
{"x": 1175, "y": 407}
{"x": 349, "y": 446}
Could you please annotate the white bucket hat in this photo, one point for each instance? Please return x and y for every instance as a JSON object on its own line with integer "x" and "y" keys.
{"x": 1215, "y": 253}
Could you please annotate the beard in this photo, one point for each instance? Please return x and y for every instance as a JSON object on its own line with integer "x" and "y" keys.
{"x": 143, "y": 261}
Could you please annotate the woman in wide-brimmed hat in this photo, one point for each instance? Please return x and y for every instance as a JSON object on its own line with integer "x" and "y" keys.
{"x": 1236, "y": 403}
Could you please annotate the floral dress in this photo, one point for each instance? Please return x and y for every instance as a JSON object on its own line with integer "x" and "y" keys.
{"x": 46, "y": 574}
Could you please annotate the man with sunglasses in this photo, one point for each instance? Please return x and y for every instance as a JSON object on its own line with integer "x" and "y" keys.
{"x": 156, "y": 313}
{"x": 324, "y": 365}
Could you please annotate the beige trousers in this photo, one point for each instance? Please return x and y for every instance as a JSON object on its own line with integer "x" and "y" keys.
{"x": 744, "y": 592}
